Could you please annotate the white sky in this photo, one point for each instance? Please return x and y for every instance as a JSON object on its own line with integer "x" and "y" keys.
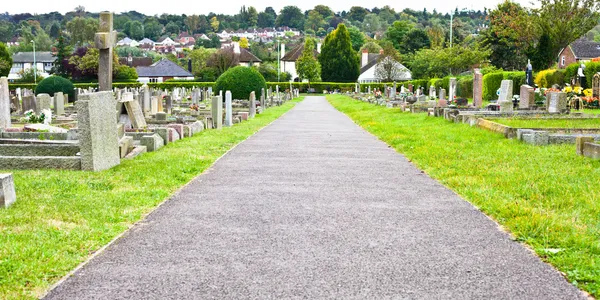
{"x": 189, "y": 7}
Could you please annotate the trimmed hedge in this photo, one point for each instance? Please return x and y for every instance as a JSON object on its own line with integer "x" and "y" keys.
{"x": 31, "y": 86}
{"x": 491, "y": 84}
{"x": 464, "y": 87}
{"x": 55, "y": 84}
{"x": 241, "y": 81}
{"x": 169, "y": 85}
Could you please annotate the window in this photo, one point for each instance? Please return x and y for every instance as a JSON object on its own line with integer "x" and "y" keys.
{"x": 563, "y": 61}
{"x": 153, "y": 80}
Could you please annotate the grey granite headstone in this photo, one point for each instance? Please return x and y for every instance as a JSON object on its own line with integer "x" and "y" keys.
{"x": 146, "y": 100}
{"x": 43, "y": 101}
{"x": 59, "y": 104}
{"x": 228, "y": 110}
{"x": 29, "y": 103}
{"x": 262, "y": 99}
{"x": 4, "y": 104}
{"x": 556, "y": 102}
{"x": 452, "y": 92}
{"x": 217, "y": 112}
{"x": 477, "y": 89}
{"x": 252, "y": 105}
{"x": 506, "y": 90}
{"x": 136, "y": 116}
{"x": 98, "y": 137}
{"x": 7, "y": 190}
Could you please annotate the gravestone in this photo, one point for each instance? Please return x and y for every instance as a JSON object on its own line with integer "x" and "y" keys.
{"x": 262, "y": 100}
{"x": 477, "y": 89}
{"x": 506, "y": 106}
{"x": 505, "y": 99}
{"x": 252, "y": 112}
{"x": 410, "y": 88}
{"x": 168, "y": 104}
{"x": 217, "y": 112}
{"x": 4, "y": 104}
{"x": 432, "y": 91}
{"x": 228, "y": 110}
{"x": 526, "y": 97}
{"x": 59, "y": 103}
{"x": 596, "y": 85}
{"x": 42, "y": 102}
{"x": 29, "y": 103}
{"x": 134, "y": 111}
{"x": 442, "y": 94}
{"x": 98, "y": 137}
{"x": 146, "y": 100}
{"x": 105, "y": 40}
{"x": 556, "y": 102}
{"x": 393, "y": 91}
{"x": 7, "y": 190}
{"x": 452, "y": 91}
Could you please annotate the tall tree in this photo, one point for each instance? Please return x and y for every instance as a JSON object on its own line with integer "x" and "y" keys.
{"x": 397, "y": 33}
{"x": 214, "y": 24}
{"x": 416, "y": 39}
{"x": 339, "y": 62}
{"x": 356, "y": 37}
{"x": 357, "y": 13}
{"x": 324, "y": 11}
{"x": 5, "y": 60}
{"x": 307, "y": 65}
{"x": 136, "y": 30}
{"x": 192, "y": 22}
{"x": 252, "y": 20}
{"x": 152, "y": 28}
{"x": 63, "y": 51}
{"x": 290, "y": 16}
{"x": 82, "y": 30}
{"x": 314, "y": 21}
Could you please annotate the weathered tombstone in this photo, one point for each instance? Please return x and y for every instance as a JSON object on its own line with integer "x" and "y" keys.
{"x": 217, "y": 112}
{"x": 98, "y": 138}
{"x": 526, "y": 97}
{"x": 393, "y": 91}
{"x": 596, "y": 85}
{"x": 146, "y": 100}
{"x": 59, "y": 103}
{"x": 410, "y": 88}
{"x": 477, "y": 89}
{"x": 442, "y": 94}
{"x": 262, "y": 100}
{"x": 4, "y": 104}
{"x": 252, "y": 112}
{"x": 134, "y": 111}
{"x": 105, "y": 41}
{"x": 29, "y": 103}
{"x": 556, "y": 102}
{"x": 505, "y": 98}
{"x": 432, "y": 91}
{"x": 452, "y": 91}
{"x": 154, "y": 105}
{"x": 14, "y": 103}
{"x": 168, "y": 104}
{"x": 228, "y": 110}
{"x": 7, "y": 190}
{"x": 43, "y": 102}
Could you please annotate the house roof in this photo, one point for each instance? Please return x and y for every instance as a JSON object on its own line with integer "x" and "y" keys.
{"x": 247, "y": 56}
{"x": 371, "y": 61}
{"x": 27, "y": 57}
{"x": 585, "y": 49}
{"x": 136, "y": 61}
{"x": 125, "y": 41}
{"x": 295, "y": 53}
{"x": 163, "y": 68}
{"x": 146, "y": 41}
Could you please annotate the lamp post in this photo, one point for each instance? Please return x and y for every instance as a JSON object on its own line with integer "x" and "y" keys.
{"x": 34, "y": 64}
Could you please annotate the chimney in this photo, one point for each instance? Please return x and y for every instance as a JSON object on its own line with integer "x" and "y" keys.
{"x": 236, "y": 48}
{"x": 319, "y": 48}
{"x": 365, "y": 58}
{"x": 282, "y": 50}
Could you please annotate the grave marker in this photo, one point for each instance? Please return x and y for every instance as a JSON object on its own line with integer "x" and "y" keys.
{"x": 477, "y": 89}
{"x": 526, "y": 97}
{"x": 4, "y": 104}
{"x": 105, "y": 40}
{"x": 217, "y": 112}
{"x": 228, "y": 110}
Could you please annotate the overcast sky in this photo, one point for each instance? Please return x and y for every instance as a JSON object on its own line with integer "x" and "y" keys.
{"x": 188, "y": 7}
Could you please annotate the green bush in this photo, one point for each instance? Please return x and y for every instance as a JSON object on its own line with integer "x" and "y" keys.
{"x": 124, "y": 72}
{"x": 241, "y": 81}
{"x": 571, "y": 72}
{"x": 54, "y": 84}
{"x": 434, "y": 82}
{"x": 491, "y": 84}
{"x": 591, "y": 68}
{"x": 464, "y": 87}
{"x": 518, "y": 78}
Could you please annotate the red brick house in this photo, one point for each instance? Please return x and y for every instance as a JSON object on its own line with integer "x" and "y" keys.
{"x": 581, "y": 50}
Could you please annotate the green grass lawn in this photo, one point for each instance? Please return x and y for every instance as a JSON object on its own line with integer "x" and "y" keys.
{"x": 548, "y": 197}
{"x": 62, "y": 217}
{"x": 549, "y": 123}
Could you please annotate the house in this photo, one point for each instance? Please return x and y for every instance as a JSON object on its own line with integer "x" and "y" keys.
{"x": 368, "y": 63}
{"x": 244, "y": 57}
{"x": 135, "y": 61}
{"x": 146, "y": 44}
{"x": 128, "y": 42}
{"x": 186, "y": 40}
{"x": 13, "y": 42}
{"x": 167, "y": 45}
{"x": 581, "y": 50}
{"x": 162, "y": 71}
{"x": 23, "y": 61}
{"x": 288, "y": 60}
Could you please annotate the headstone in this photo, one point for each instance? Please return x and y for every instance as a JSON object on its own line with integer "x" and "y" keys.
{"x": 529, "y": 74}
{"x": 217, "y": 112}
{"x": 105, "y": 40}
{"x": 7, "y": 190}
{"x": 442, "y": 94}
{"x": 452, "y": 91}
{"x": 506, "y": 89}
{"x": 228, "y": 110}
{"x": 410, "y": 88}
{"x": 477, "y": 89}
{"x": 393, "y": 92}
{"x": 556, "y": 102}
{"x": 596, "y": 85}
{"x": 153, "y": 105}
{"x": 98, "y": 138}
{"x": 134, "y": 111}
{"x": 432, "y": 91}
{"x": 4, "y": 104}
{"x": 29, "y": 103}
{"x": 505, "y": 106}
{"x": 262, "y": 100}
{"x": 168, "y": 104}
{"x": 146, "y": 100}
{"x": 252, "y": 104}
{"x": 43, "y": 102}
{"x": 526, "y": 97}
{"x": 59, "y": 103}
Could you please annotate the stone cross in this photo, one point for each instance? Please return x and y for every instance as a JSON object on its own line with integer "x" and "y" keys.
{"x": 228, "y": 110}
{"x": 4, "y": 104}
{"x": 105, "y": 41}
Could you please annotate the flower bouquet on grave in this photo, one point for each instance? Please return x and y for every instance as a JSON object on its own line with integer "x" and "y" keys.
{"x": 378, "y": 94}
{"x": 194, "y": 107}
{"x": 32, "y": 118}
{"x": 591, "y": 102}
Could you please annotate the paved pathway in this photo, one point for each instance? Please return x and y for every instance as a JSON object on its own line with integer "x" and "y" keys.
{"x": 315, "y": 207}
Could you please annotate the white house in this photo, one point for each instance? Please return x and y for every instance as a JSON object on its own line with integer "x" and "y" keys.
{"x": 288, "y": 60}
{"x": 23, "y": 61}
{"x": 162, "y": 71}
{"x": 369, "y": 65}
{"x": 128, "y": 42}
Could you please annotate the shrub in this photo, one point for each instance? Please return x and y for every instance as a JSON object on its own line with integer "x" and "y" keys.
{"x": 591, "y": 68}
{"x": 464, "y": 87}
{"x": 571, "y": 72}
{"x": 241, "y": 81}
{"x": 550, "y": 77}
{"x": 491, "y": 84}
{"x": 124, "y": 72}
{"x": 518, "y": 79}
{"x": 54, "y": 84}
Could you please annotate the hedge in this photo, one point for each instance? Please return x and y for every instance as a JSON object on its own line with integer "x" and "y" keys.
{"x": 32, "y": 86}
{"x": 491, "y": 84}
{"x": 241, "y": 81}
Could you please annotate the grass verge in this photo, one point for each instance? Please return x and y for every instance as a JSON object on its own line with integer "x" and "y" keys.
{"x": 62, "y": 217}
{"x": 548, "y": 197}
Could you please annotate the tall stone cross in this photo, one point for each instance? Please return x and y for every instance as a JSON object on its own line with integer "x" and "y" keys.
{"x": 105, "y": 41}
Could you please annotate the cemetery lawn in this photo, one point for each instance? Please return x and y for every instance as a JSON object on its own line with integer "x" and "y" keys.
{"x": 62, "y": 217}
{"x": 547, "y": 197}
{"x": 549, "y": 123}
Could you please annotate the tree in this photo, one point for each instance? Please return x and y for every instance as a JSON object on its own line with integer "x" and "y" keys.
{"x": 371, "y": 23}
{"x": 223, "y": 60}
{"x": 543, "y": 57}
{"x": 324, "y": 10}
{"x": 290, "y": 16}
{"x": 388, "y": 67}
{"x": 200, "y": 57}
{"x": 398, "y": 32}
{"x": 357, "y": 13}
{"x": 192, "y": 23}
{"x": 339, "y": 62}
{"x": 371, "y": 47}
{"x": 152, "y": 29}
{"x": 307, "y": 65}
{"x": 252, "y": 19}
{"x": 54, "y": 30}
{"x": 172, "y": 28}
{"x": 82, "y": 30}
{"x": 136, "y": 30}
{"x": 267, "y": 18}
{"x": 61, "y": 57}
{"x": 314, "y": 21}
{"x": 7, "y": 31}
{"x": 214, "y": 24}
{"x": 432, "y": 63}
{"x": 357, "y": 38}
{"x": 436, "y": 36}
{"x": 416, "y": 39}
{"x": 5, "y": 60}
{"x": 244, "y": 43}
